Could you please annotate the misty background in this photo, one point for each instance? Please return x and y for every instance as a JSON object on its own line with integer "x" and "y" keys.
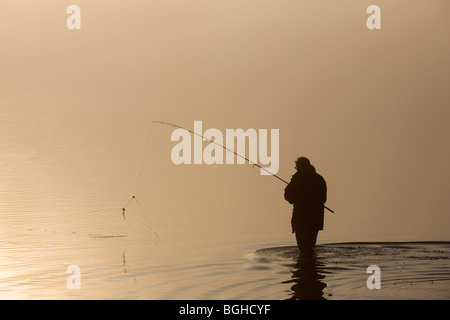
{"x": 369, "y": 108}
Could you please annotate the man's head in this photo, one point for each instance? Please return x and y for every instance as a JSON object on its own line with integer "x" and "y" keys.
{"x": 302, "y": 163}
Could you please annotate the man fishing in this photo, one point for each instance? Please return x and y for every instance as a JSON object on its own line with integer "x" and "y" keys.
{"x": 307, "y": 191}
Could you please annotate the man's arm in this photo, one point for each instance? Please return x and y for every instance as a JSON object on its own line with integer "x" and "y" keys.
{"x": 289, "y": 191}
{"x": 324, "y": 190}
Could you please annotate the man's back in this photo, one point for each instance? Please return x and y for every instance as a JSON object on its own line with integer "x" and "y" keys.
{"x": 307, "y": 191}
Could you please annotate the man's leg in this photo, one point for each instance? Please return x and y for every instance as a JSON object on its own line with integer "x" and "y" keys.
{"x": 300, "y": 239}
{"x": 303, "y": 241}
{"x": 313, "y": 237}
{"x": 306, "y": 240}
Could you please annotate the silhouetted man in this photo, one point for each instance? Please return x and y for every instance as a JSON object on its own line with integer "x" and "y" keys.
{"x": 307, "y": 191}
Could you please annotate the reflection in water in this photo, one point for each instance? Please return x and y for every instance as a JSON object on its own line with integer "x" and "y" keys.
{"x": 308, "y": 276}
{"x": 124, "y": 262}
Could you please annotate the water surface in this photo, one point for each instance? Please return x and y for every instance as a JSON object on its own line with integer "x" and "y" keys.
{"x": 67, "y": 170}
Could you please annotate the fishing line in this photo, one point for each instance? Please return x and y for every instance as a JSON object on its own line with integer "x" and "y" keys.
{"x": 205, "y": 139}
{"x": 147, "y": 146}
{"x": 140, "y": 207}
{"x": 141, "y": 168}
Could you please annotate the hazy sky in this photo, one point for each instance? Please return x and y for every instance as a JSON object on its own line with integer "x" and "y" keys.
{"x": 370, "y": 108}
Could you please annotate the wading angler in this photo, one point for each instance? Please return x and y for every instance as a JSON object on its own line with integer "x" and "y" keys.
{"x": 235, "y": 147}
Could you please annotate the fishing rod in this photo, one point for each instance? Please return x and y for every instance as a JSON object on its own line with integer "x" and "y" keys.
{"x": 222, "y": 146}
{"x": 227, "y": 149}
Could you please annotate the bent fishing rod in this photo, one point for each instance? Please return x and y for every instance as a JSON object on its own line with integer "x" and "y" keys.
{"x": 227, "y": 149}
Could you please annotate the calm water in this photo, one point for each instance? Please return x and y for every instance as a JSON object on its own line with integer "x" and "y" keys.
{"x": 65, "y": 173}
